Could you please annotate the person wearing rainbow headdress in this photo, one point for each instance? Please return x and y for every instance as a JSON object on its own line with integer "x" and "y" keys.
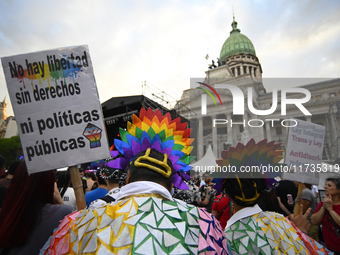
{"x": 144, "y": 219}
{"x": 251, "y": 230}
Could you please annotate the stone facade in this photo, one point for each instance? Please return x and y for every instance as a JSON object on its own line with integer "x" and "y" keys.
{"x": 244, "y": 71}
{"x": 8, "y": 125}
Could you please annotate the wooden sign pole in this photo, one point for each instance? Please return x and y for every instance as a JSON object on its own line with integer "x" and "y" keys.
{"x": 78, "y": 187}
{"x": 298, "y": 200}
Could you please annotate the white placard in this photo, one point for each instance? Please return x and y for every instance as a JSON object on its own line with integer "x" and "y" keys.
{"x": 56, "y": 106}
{"x": 304, "y": 152}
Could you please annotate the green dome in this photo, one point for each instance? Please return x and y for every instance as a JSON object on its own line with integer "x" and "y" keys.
{"x": 236, "y": 43}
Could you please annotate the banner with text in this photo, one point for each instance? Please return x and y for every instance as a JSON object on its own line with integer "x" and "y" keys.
{"x": 304, "y": 152}
{"x": 56, "y": 106}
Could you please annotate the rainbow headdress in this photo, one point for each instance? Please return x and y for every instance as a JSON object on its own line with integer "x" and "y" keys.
{"x": 261, "y": 157}
{"x": 152, "y": 130}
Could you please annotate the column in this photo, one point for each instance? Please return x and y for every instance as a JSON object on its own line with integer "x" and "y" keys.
{"x": 245, "y": 119}
{"x": 268, "y": 133}
{"x": 334, "y": 135}
{"x": 235, "y": 132}
{"x": 200, "y": 138}
{"x": 214, "y": 135}
{"x": 229, "y": 129}
{"x": 242, "y": 70}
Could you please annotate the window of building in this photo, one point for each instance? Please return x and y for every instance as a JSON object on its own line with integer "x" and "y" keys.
{"x": 240, "y": 128}
{"x": 318, "y": 97}
{"x": 244, "y": 69}
{"x": 325, "y": 152}
{"x": 250, "y": 69}
{"x": 206, "y": 132}
{"x": 233, "y": 71}
{"x": 222, "y": 130}
{"x": 254, "y": 72}
{"x": 333, "y": 94}
{"x": 278, "y": 130}
{"x": 238, "y": 71}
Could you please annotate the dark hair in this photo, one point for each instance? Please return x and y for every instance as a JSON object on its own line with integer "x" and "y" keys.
{"x": 335, "y": 180}
{"x": 100, "y": 180}
{"x": 308, "y": 186}
{"x": 146, "y": 174}
{"x": 2, "y": 162}
{"x": 112, "y": 180}
{"x": 63, "y": 181}
{"x": 20, "y": 212}
{"x": 13, "y": 166}
{"x": 247, "y": 188}
{"x": 91, "y": 175}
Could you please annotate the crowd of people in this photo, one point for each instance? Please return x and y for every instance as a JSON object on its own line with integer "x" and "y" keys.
{"x": 143, "y": 204}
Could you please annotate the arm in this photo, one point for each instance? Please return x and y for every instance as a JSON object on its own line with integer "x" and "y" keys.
{"x": 317, "y": 217}
{"x": 209, "y": 194}
{"x": 335, "y": 216}
{"x": 215, "y": 213}
{"x": 205, "y": 202}
{"x": 305, "y": 203}
{"x": 214, "y": 210}
{"x": 56, "y": 195}
{"x": 282, "y": 206}
{"x": 328, "y": 203}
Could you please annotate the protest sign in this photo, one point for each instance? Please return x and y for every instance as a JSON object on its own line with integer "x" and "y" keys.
{"x": 56, "y": 106}
{"x": 304, "y": 152}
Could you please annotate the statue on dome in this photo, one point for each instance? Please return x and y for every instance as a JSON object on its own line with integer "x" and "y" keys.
{"x": 212, "y": 65}
{"x": 219, "y": 62}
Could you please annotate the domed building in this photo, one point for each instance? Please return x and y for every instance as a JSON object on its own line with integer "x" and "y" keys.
{"x": 236, "y": 43}
{"x": 219, "y": 118}
{"x": 237, "y": 65}
{"x": 237, "y": 58}
{"x": 238, "y": 53}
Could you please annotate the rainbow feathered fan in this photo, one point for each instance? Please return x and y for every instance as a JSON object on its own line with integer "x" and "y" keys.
{"x": 152, "y": 130}
{"x": 261, "y": 154}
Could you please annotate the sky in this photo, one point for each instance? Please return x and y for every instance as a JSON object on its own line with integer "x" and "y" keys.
{"x": 164, "y": 43}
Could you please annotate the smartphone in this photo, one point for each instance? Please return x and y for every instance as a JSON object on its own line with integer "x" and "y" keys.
{"x": 290, "y": 199}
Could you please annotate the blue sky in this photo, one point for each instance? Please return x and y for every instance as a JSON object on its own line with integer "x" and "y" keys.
{"x": 165, "y": 42}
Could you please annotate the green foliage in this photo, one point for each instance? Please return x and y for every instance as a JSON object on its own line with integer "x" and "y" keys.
{"x": 10, "y": 148}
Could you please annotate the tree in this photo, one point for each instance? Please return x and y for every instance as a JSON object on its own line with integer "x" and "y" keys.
{"x": 10, "y": 148}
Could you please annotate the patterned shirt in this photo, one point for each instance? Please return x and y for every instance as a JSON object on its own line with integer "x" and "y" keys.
{"x": 139, "y": 224}
{"x": 250, "y": 230}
